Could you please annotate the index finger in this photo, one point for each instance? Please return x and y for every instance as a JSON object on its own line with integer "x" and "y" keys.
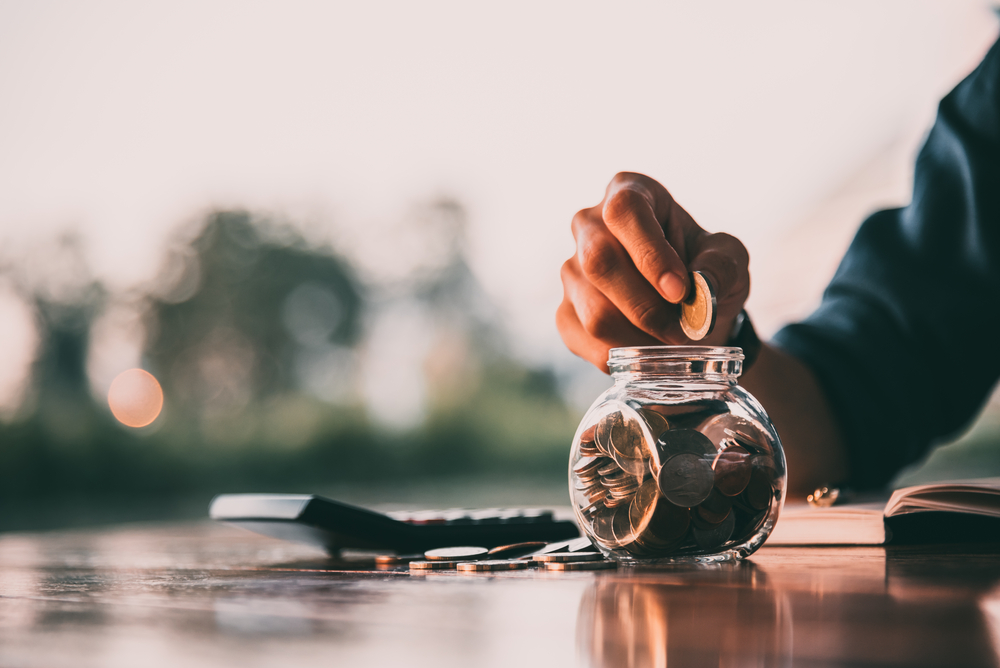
{"x": 630, "y": 213}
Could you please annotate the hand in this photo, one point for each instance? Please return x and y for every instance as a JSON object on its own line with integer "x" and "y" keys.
{"x": 630, "y": 270}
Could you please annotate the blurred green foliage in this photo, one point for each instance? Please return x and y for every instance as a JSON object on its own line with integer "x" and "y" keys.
{"x": 228, "y": 332}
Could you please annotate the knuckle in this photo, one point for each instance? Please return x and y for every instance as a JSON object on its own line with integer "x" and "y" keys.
{"x": 598, "y": 321}
{"x": 623, "y": 203}
{"x": 622, "y": 179}
{"x": 731, "y": 246}
{"x": 647, "y": 316}
{"x": 566, "y": 271}
{"x": 598, "y": 259}
{"x": 581, "y": 219}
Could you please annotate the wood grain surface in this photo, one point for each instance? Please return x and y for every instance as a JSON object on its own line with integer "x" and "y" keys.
{"x": 206, "y": 595}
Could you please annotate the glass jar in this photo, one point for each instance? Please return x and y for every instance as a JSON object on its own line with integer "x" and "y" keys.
{"x": 676, "y": 462}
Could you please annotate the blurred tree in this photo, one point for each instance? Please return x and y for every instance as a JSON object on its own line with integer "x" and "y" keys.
{"x": 256, "y": 296}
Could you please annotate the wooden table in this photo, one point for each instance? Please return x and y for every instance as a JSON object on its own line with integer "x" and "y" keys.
{"x": 205, "y": 595}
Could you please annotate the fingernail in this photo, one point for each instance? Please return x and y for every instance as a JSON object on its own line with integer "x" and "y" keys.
{"x": 672, "y": 287}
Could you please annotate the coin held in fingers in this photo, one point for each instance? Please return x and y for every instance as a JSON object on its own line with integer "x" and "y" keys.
{"x": 698, "y": 310}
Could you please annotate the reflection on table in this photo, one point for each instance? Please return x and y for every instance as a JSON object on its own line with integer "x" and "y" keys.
{"x": 204, "y": 595}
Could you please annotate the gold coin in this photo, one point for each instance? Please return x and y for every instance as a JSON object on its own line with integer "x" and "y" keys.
{"x": 433, "y": 565}
{"x": 492, "y": 565}
{"x": 698, "y": 310}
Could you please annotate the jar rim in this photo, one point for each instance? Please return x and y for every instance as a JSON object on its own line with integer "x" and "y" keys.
{"x": 635, "y": 354}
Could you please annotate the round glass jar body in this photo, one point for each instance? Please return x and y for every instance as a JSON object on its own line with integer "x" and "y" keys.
{"x": 676, "y": 462}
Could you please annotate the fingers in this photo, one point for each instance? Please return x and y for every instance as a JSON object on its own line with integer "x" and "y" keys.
{"x": 725, "y": 263}
{"x": 724, "y": 260}
{"x": 603, "y": 265}
{"x": 599, "y": 316}
{"x": 577, "y": 340}
{"x": 630, "y": 213}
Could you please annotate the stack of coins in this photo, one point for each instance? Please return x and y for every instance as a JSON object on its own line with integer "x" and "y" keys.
{"x": 660, "y": 480}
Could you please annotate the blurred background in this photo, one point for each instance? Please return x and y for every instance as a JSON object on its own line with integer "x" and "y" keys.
{"x": 332, "y": 232}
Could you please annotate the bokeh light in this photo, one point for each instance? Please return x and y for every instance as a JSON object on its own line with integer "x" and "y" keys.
{"x": 135, "y": 398}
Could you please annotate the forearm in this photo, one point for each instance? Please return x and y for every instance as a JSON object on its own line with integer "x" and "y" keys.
{"x": 813, "y": 444}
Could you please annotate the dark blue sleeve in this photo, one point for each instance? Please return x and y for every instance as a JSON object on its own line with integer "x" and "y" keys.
{"x": 906, "y": 342}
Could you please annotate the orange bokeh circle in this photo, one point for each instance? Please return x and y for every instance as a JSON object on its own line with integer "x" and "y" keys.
{"x": 135, "y": 398}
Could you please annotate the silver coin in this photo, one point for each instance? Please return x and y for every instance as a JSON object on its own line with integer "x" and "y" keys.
{"x": 454, "y": 553}
{"x": 698, "y": 310}
{"x": 582, "y": 544}
{"x": 686, "y": 480}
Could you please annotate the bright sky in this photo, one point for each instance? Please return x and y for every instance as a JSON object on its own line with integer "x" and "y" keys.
{"x": 123, "y": 119}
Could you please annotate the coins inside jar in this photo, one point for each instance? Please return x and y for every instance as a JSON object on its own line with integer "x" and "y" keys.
{"x": 659, "y": 480}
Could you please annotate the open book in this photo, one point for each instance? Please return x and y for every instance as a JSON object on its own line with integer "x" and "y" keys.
{"x": 944, "y": 512}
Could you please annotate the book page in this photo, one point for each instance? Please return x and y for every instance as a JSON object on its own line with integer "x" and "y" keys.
{"x": 977, "y": 497}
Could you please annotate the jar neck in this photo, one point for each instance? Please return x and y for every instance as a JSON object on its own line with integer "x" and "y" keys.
{"x": 676, "y": 364}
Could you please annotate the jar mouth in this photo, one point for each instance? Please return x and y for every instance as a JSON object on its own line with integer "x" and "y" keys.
{"x": 677, "y": 360}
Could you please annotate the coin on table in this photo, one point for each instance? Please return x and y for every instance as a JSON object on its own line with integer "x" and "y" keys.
{"x": 698, "y": 310}
{"x": 492, "y": 565}
{"x": 455, "y": 553}
{"x": 569, "y": 556}
{"x": 759, "y": 492}
{"x": 434, "y": 565}
{"x": 732, "y": 470}
{"x": 686, "y": 480}
{"x": 515, "y": 549}
{"x": 581, "y": 565}
{"x": 396, "y": 559}
{"x": 558, "y": 546}
{"x": 714, "y": 537}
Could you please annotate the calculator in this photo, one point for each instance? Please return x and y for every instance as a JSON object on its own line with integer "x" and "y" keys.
{"x": 332, "y": 525}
